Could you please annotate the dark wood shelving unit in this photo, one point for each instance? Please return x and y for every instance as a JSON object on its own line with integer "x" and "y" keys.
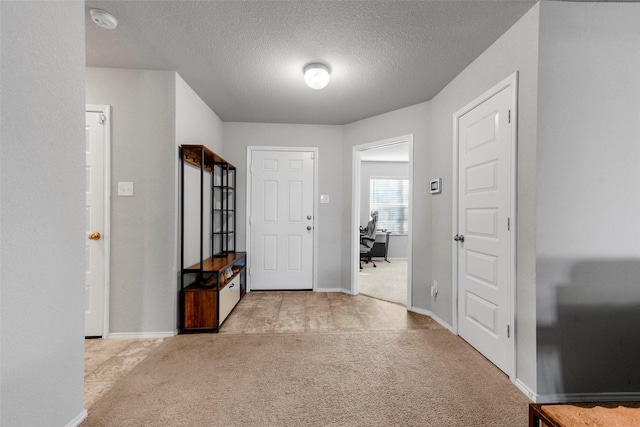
{"x": 216, "y": 263}
{"x": 211, "y": 288}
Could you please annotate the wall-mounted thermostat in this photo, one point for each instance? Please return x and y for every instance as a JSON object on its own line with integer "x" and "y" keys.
{"x": 435, "y": 186}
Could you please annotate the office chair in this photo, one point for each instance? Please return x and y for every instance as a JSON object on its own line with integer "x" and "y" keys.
{"x": 367, "y": 239}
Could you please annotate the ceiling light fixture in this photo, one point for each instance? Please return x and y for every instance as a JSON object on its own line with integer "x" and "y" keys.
{"x": 103, "y": 19}
{"x": 316, "y": 75}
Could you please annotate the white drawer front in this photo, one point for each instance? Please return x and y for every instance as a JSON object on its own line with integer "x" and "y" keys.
{"x": 229, "y": 296}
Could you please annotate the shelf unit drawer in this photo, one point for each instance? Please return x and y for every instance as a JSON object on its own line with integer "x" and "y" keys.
{"x": 229, "y": 297}
{"x": 199, "y": 308}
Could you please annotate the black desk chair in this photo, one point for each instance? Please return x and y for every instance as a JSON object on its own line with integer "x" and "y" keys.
{"x": 367, "y": 239}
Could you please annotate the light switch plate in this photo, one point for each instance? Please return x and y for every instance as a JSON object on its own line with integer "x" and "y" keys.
{"x": 125, "y": 189}
{"x": 324, "y": 198}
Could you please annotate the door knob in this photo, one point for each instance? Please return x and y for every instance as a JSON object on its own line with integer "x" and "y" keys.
{"x": 309, "y": 227}
{"x": 308, "y": 216}
{"x": 459, "y": 238}
{"x": 94, "y": 236}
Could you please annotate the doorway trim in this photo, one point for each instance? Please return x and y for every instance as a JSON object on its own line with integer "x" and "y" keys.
{"x": 314, "y": 150}
{"x": 512, "y": 81}
{"x": 355, "y": 208}
{"x": 106, "y": 110}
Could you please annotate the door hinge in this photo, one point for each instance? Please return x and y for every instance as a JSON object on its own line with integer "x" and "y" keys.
{"x": 250, "y": 271}
{"x": 313, "y": 155}
{"x": 508, "y": 224}
{"x": 508, "y": 331}
{"x": 509, "y": 116}
{"x": 102, "y": 119}
{"x": 249, "y": 219}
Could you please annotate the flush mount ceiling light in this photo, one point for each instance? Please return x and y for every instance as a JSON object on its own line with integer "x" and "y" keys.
{"x": 103, "y": 19}
{"x": 316, "y": 75}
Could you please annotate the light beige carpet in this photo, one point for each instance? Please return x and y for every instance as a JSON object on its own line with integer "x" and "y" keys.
{"x": 377, "y": 378}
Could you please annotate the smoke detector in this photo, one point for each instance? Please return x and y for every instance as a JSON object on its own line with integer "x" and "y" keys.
{"x": 103, "y": 19}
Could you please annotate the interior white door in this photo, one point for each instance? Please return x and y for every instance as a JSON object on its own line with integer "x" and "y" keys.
{"x": 281, "y": 220}
{"x": 484, "y": 241}
{"x": 94, "y": 291}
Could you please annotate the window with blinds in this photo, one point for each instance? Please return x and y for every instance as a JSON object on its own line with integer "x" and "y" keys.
{"x": 390, "y": 197}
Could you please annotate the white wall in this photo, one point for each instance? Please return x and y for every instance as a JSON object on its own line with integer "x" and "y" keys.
{"x": 196, "y": 123}
{"x": 516, "y": 50}
{"x": 398, "y": 244}
{"x": 238, "y": 136}
{"x": 42, "y": 197}
{"x": 192, "y": 206}
{"x": 411, "y": 120}
{"x": 588, "y": 179}
{"x": 143, "y": 227}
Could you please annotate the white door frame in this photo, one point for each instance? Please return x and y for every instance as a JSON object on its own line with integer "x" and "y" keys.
{"x": 355, "y": 208}
{"x": 314, "y": 150}
{"x": 106, "y": 235}
{"x": 512, "y": 81}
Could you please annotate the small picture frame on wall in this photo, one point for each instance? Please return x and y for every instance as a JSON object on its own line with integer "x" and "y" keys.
{"x": 435, "y": 186}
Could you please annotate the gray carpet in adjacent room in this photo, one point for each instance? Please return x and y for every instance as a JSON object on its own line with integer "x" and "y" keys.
{"x": 387, "y": 281}
{"x": 378, "y": 378}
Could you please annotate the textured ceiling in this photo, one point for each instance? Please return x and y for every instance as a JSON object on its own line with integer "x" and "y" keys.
{"x": 245, "y": 58}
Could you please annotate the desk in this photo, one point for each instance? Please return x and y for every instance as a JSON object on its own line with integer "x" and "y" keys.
{"x": 380, "y": 249}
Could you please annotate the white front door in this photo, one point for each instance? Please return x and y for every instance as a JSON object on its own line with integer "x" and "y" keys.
{"x": 484, "y": 234}
{"x": 281, "y": 220}
{"x": 94, "y": 291}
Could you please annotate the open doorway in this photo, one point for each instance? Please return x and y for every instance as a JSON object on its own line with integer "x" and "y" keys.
{"x": 381, "y": 183}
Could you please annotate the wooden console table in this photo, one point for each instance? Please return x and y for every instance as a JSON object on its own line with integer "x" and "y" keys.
{"x": 618, "y": 414}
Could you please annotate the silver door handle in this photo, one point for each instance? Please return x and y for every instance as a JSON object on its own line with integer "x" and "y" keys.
{"x": 309, "y": 227}
{"x": 459, "y": 238}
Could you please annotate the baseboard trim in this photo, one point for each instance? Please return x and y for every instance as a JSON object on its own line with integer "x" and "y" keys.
{"x": 587, "y": 397}
{"x": 78, "y": 419}
{"x": 344, "y": 291}
{"x": 138, "y": 335}
{"x": 525, "y": 389}
{"x": 433, "y": 316}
